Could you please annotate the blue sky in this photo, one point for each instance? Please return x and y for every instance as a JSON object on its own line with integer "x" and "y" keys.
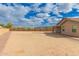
{"x": 37, "y": 14}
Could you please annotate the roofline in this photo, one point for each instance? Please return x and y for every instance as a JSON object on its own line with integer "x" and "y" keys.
{"x": 66, "y": 19}
{"x": 60, "y": 21}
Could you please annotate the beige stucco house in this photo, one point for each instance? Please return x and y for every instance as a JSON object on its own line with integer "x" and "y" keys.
{"x": 69, "y": 26}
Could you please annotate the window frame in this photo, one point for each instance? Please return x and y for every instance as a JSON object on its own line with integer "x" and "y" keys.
{"x": 74, "y": 28}
{"x": 62, "y": 27}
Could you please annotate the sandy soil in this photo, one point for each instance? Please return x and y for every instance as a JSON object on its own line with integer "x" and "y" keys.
{"x": 4, "y": 36}
{"x": 40, "y": 43}
{"x": 3, "y": 30}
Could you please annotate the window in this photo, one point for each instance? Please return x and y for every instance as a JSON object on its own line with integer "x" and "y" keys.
{"x": 62, "y": 28}
{"x": 74, "y": 28}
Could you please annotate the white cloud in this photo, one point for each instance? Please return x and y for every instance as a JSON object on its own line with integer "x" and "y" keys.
{"x": 43, "y": 15}
{"x": 64, "y": 7}
{"x": 36, "y": 21}
{"x": 21, "y": 10}
{"x": 13, "y": 13}
{"x": 56, "y": 12}
{"x": 33, "y": 22}
{"x": 76, "y": 5}
{"x": 53, "y": 19}
{"x": 48, "y": 8}
{"x": 17, "y": 12}
{"x": 35, "y": 7}
{"x": 74, "y": 17}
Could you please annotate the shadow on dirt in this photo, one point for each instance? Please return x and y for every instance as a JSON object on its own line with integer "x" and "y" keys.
{"x": 59, "y": 35}
{"x": 56, "y": 35}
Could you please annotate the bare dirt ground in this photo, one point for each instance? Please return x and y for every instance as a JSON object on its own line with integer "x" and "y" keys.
{"x": 4, "y": 36}
{"x": 39, "y": 43}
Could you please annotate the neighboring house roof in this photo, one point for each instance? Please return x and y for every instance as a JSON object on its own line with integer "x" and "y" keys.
{"x": 68, "y": 19}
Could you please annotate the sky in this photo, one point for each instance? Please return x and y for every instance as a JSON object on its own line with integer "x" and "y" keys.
{"x": 37, "y": 14}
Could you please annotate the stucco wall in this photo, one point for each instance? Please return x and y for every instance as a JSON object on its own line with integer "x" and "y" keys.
{"x": 68, "y": 28}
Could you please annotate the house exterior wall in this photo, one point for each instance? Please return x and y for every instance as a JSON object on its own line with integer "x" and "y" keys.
{"x": 68, "y": 28}
{"x": 57, "y": 29}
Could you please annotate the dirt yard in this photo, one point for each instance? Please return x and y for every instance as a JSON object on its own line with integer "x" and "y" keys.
{"x": 38, "y": 43}
{"x": 3, "y": 30}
